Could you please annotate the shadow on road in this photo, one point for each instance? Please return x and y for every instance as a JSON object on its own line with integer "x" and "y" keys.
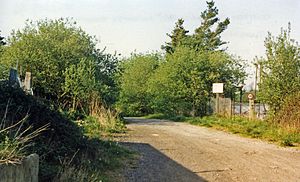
{"x": 154, "y": 166}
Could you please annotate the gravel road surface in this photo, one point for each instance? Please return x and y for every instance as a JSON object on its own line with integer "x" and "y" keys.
{"x": 174, "y": 151}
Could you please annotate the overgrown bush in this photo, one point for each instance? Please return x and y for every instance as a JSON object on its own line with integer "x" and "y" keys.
{"x": 280, "y": 70}
{"x": 101, "y": 119}
{"x": 62, "y": 139}
{"x": 65, "y": 64}
{"x": 182, "y": 85}
{"x": 289, "y": 115}
{"x": 134, "y": 98}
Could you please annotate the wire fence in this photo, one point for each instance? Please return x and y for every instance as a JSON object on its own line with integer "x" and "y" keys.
{"x": 227, "y": 107}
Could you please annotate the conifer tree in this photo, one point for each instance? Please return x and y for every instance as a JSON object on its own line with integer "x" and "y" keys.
{"x": 177, "y": 36}
{"x": 207, "y": 37}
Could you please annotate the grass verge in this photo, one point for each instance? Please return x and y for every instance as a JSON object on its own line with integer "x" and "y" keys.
{"x": 244, "y": 127}
{"x": 164, "y": 116}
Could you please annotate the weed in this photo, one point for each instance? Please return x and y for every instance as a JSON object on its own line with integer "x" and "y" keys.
{"x": 15, "y": 139}
{"x": 102, "y": 119}
{"x": 251, "y": 128}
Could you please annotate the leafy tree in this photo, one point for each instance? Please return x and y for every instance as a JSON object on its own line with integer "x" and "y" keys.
{"x": 178, "y": 36}
{"x": 207, "y": 37}
{"x": 47, "y": 48}
{"x": 52, "y": 50}
{"x": 106, "y": 69}
{"x": 79, "y": 84}
{"x": 281, "y": 70}
{"x": 183, "y": 85}
{"x": 134, "y": 98}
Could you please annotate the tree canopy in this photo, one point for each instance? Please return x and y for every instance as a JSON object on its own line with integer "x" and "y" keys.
{"x": 178, "y": 36}
{"x": 207, "y": 37}
{"x": 181, "y": 83}
{"x": 56, "y": 51}
{"x": 281, "y": 69}
{"x": 134, "y": 97}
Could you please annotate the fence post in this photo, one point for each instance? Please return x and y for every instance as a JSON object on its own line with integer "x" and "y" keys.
{"x": 27, "y": 82}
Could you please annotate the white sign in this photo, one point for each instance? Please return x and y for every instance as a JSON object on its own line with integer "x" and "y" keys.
{"x": 218, "y": 87}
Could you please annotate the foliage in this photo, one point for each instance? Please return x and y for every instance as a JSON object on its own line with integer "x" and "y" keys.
{"x": 75, "y": 173}
{"x": 14, "y": 140}
{"x": 94, "y": 163}
{"x": 101, "y": 121}
{"x": 79, "y": 84}
{"x": 178, "y": 36}
{"x": 289, "y": 114}
{"x": 252, "y": 128}
{"x": 134, "y": 98}
{"x": 208, "y": 35}
{"x": 182, "y": 84}
{"x": 61, "y": 140}
{"x": 47, "y": 48}
{"x": 53, "y": 50}
{"x": 281, "y": 70}
{"x": 105, "y": 74}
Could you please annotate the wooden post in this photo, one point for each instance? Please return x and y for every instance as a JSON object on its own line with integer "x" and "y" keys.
{"x": 27, "y": 80}
{"x": 217, "y": 103}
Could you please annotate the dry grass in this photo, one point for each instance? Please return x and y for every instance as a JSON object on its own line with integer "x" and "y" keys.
{"x": 69, "y": 172}
{"x": 15, "y": 139}
{"x": 289, "y": 115}
{"x": 107, "y": 118}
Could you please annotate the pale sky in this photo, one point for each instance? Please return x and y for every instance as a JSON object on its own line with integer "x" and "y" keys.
{"x": 141, "y": 25}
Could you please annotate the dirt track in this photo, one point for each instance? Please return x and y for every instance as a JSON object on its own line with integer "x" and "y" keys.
{"x": 173, "y": 151}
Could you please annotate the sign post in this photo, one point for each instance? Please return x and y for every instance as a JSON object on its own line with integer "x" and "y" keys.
{"x": 218, "y": 89}
{"x": 251, "y": 106}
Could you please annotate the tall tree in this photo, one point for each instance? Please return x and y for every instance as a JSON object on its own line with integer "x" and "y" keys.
{"x": 178, "y": 35}
{"x": 53, "y": 50}
{"x": 134, "y": 99}
{"x": 207, "y": 37}
{"x": 281, "y": 70}
{"x": 183, "y": 84}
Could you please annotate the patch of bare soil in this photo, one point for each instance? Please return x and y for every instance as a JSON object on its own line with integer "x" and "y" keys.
{"x": 172, "y": 151}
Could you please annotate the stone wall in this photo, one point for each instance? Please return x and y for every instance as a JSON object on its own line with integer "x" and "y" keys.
{"x": 25, "y": 172}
